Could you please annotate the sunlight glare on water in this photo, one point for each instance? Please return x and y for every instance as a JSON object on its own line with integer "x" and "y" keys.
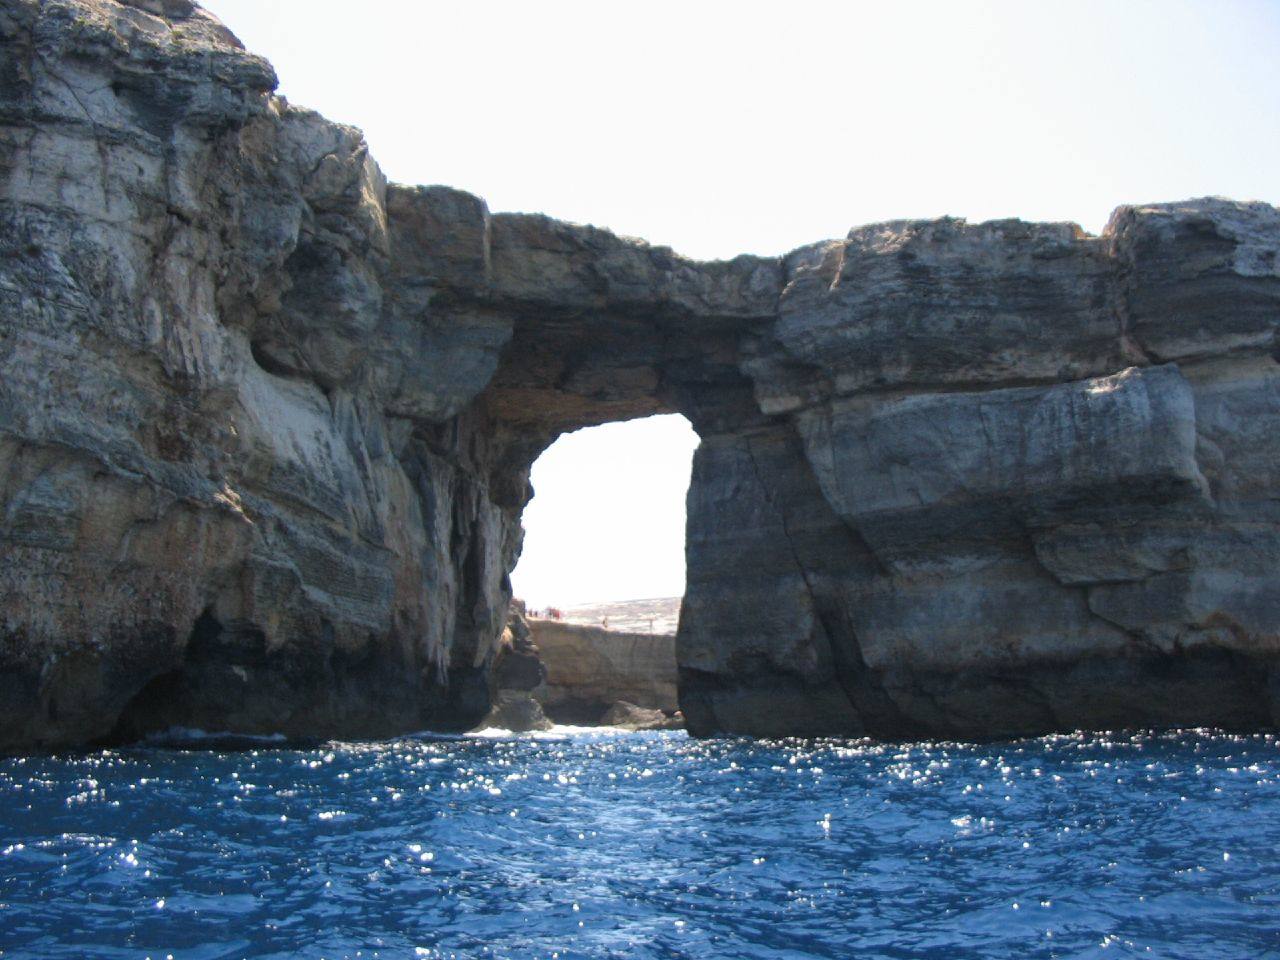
{"x": 590, "y": 844}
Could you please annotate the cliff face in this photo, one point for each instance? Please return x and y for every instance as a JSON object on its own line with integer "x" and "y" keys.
{"x": 589, "y": 669}
{"x": 266, "y": 423}
{"x": 1016, "y": 479}
{"x": 239, "y": 488}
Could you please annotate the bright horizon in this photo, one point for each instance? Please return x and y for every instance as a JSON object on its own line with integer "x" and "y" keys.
{"x": 726, "y": 128}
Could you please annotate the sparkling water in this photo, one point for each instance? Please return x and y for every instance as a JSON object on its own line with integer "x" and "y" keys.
{"x": 607, "y": 844}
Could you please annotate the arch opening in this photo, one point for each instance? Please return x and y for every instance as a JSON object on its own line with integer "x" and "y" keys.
{"x": 601, "y": 575}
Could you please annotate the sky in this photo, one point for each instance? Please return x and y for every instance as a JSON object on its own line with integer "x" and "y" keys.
{"x": 720, "y": 128}
{"x": 607, "y": 518}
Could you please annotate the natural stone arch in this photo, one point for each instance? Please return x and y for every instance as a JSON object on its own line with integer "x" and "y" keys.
{"x": 267, "y": 424}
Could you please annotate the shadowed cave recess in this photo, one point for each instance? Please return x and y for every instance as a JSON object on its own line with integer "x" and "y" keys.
{"x": 268, "y": 425}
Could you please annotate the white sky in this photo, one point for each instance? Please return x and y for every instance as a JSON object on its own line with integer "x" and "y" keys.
{"x": 721, "y": 128}
{"x": 607, "y": 520}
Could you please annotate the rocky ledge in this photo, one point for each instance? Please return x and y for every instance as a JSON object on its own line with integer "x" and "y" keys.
{"x": 266, "y": 423}
{"x": 549, "y": 670}
{"x": 590, "y": 669}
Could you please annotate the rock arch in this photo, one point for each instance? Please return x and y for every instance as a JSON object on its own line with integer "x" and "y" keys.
{"x": 267, "y": 423}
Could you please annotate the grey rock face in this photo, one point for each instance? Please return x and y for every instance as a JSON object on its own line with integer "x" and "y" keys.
{"x": 1026, "y": 518}
{"x": 266, "y": 424}
{"x": 224, "y": 505}
{"x": 927, "y": 304}
{"x": 515, "y": 711}
{"x": 518, "y": 666}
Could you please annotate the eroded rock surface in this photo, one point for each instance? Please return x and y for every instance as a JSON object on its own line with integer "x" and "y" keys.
{"x": 518, "y": 679}
{"x": 589, "y": 669}
{"x": 1018, "y": 480}
{"x": 628, "y": 716}
{"x": 266, "y": 423}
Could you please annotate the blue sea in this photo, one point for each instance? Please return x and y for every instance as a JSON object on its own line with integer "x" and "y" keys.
{"x": 604, "y": 844}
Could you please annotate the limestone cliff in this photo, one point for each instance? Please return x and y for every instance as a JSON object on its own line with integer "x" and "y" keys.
{"x": 266, "y": 423}
{"x": 589, "y": 669}
{"x": 554, "y": 670}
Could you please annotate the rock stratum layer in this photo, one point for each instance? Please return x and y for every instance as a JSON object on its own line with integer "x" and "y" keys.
{"x": 266, "y": 424}
{"x": 589, "y": 669}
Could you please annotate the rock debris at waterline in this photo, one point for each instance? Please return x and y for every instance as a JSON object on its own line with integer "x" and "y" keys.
{"x": 268, "y": 420}
{"x": 583, "y": 675}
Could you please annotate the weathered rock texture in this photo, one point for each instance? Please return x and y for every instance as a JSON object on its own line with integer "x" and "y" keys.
{"x": 518, "y": 679}
{"x": 516, "y": 711}
{"x": 589, "y": 669}
{"x": 572, "y": 673}
{"x": 518, "y": 664}
{"x": 266, "y": 423}
{"x": 631, "y": 717}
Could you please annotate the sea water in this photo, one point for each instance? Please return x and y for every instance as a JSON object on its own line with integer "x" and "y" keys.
{"x": 579, "y": 844}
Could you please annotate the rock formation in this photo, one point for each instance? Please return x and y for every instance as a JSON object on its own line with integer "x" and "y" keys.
{"x": 516, "y": 711}
{"x": 629, "y": 716}
{"x": 581, "y": 674}
{"x": 518, "y": 664}
{"x": 266, "y": 423}
{"x": 518, "y": 680}
{"x": 589, "y": 669}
